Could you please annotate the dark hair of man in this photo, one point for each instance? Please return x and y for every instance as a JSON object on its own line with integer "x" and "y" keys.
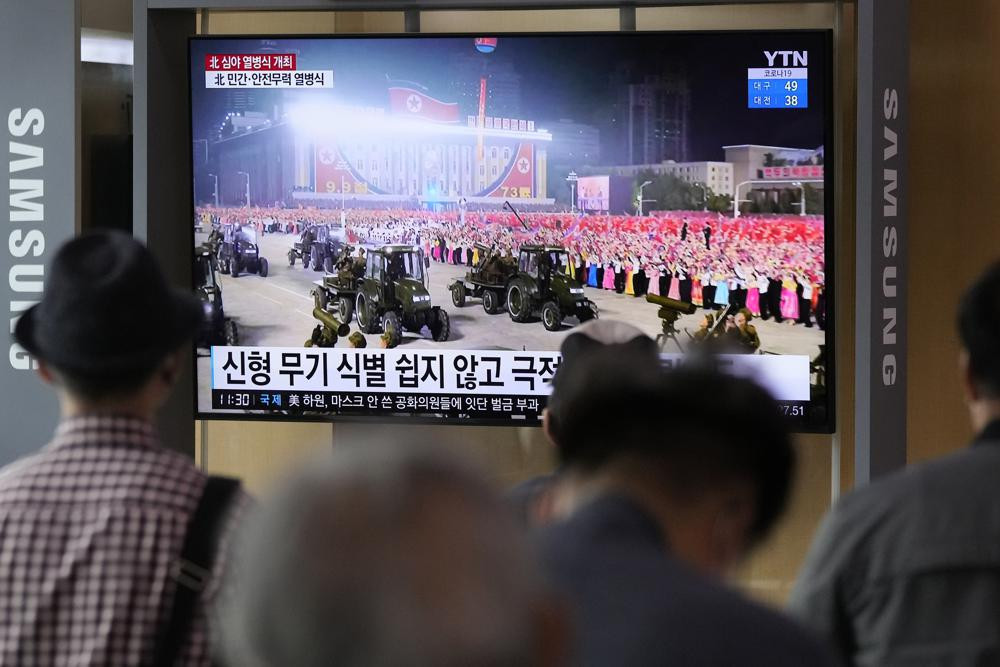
{"x": 979, "y": 328}
{"x": 103, "y": 386}
{"x": 697, "y": 426}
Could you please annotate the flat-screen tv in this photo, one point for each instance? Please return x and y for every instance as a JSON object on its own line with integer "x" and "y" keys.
{"x": 408, "y": 226}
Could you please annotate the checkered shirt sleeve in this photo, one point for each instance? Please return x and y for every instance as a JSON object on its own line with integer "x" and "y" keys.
{"x": 90, "y": 528}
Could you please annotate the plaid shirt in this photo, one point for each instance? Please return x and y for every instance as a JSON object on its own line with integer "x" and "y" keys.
{"x": 90, "y": 528}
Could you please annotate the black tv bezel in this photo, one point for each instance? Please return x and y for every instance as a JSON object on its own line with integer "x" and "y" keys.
{"x": 805, "y": 424}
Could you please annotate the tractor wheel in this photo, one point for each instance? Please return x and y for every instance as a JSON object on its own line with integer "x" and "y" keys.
{"x": 458, "y": 294}
{"x": 231, "y": 333}
{"x": 321, "y": 298}
{"x": 491, "y": 301}
{"x": 305, "y": 260}
{"x": 262, "y": 267}
{"x": 440, "y": 325}
{"x": 587, "y": 314}
{"x": 291, "y": 258}
{"x": 317, "y": 263}
{"x": 551, "y": 316}
{"x": 365, "y": 318}
{"x": 345, "y": 308}
{"x": 328, "y": 264}
{"x": 392, "y": 328}
{"x": 234, "y": 267}
{"x": 518, "y": 303}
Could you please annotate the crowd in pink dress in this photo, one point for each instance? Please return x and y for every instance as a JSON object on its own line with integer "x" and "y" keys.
{"x": 773, "y": 265}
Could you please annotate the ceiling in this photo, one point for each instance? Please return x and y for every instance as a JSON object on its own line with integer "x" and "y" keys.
{"x": 113, "y": 15}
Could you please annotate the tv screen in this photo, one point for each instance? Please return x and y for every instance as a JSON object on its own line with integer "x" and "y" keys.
{"x": 409, "y": 226}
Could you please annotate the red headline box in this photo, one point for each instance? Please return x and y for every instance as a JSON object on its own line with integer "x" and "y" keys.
{"x": 235, "y": 62}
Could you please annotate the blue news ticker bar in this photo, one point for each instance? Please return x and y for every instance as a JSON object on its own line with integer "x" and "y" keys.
{"x": 777, "y": 94}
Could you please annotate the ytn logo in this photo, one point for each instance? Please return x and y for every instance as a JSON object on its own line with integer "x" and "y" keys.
{"x": 788, "y": 58}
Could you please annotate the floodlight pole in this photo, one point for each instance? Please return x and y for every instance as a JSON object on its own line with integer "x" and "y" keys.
{"x": 802, "y": 200}
{"x": 247, "y": 174}
{"x": 215, "y": 189}
{"x": 572, "y": 179}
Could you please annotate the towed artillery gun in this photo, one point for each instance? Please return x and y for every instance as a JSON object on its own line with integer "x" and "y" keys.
{"x": 487, "y": 280}
{"x": 341, "y": 287}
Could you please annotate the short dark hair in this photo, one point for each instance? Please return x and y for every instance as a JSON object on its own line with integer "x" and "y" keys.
{"x": 696, "y": 422}
{"x": 979, "y": 328}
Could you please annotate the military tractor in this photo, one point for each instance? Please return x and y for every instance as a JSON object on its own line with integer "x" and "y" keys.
{"x": 239, "y": 251}
{"x": 340, "y": 287}
{"x": 487, "y": 280}
{"x": 542, "y": 285}
{"x": 302, "y": 249}
{"x": 393, "y": 296}
{"x": 216, "y": 328}
{"x": 326, "y": 247}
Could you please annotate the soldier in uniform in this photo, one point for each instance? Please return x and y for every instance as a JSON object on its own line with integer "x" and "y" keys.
{"x": 705, "y": 328}
{"x": 357, "y": 340}
{"x": 359, "y": 261}
{"x": 741, "y": 334}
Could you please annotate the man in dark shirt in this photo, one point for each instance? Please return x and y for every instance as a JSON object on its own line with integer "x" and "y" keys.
{"x": 663, "y": 491}
{"x": 906, "y": 571}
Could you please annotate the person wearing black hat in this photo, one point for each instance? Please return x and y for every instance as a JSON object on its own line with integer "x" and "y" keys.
{"x": 94, "y": 524}
{"x": 669, "y": 478}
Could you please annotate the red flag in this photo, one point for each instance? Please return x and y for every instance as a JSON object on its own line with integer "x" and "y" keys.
{"x": 416, "y": 104}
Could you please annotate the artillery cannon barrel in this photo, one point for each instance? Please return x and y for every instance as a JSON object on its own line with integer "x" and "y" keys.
{"x": 331, "y": 322}
{"x": 673, "y": 304}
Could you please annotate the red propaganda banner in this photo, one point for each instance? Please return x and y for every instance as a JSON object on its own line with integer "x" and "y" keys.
{"x": 518, "y": 183}
{"x": 263, "y": 62}
{"x": 794, "y": 171}
{"x": 333, "y": 174}
{"x": 416, "y": 104}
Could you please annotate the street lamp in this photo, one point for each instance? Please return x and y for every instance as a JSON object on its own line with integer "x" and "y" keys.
{"x": 572, "y": 179}
{"x": 640, "y": 195}
{"x": 769, "y": 182}
{"x": 215, "y": 190}
{"x": 802, "y": 192}
{"x": 243, "y": 173}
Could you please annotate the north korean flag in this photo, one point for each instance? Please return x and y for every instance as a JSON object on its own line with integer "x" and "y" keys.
{"x": 409, "y": 101}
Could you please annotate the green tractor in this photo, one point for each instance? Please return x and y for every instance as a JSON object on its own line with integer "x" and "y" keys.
{"x": 542, "y": 286}
{"x": 392, "y": 297}
{"x": 340, "y": 287}
{"x": 487, "y": 280}
{"x": 216, "y": 328}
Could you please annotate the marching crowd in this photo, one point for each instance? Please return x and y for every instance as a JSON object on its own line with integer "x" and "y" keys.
{"x": 772, "y": 265}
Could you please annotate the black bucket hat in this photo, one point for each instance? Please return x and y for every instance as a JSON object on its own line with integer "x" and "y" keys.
{"x": 107, "y": 309}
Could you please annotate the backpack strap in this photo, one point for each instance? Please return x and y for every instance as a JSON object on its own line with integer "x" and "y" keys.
{"x": 193, "y": 569}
